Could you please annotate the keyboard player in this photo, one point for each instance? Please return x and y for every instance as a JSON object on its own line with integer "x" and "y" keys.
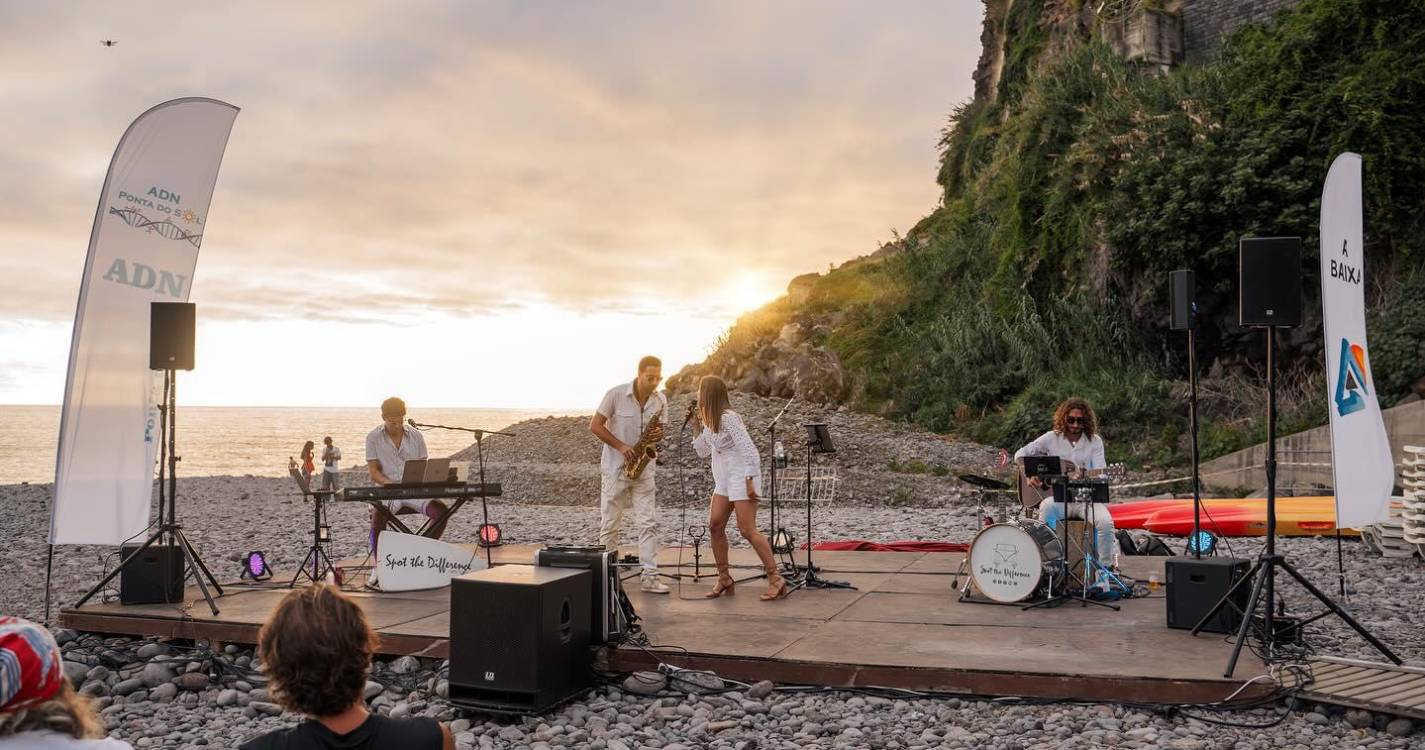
{"x": 388, "y": 448}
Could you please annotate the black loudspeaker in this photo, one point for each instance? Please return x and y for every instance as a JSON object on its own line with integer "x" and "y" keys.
{"x": 1269, "y": 291}
{"x": 1195, "y": 586}
{"x": 1183, "y": 290}
{"x": 519, "y": 638}
{"x": 154, "y": 577}
{"x": 170, "y": 335}
{"x": 606, "y": 619}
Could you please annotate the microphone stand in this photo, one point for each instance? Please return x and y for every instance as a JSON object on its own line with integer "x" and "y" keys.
{"x": 480, "y": 458}
{"x": 773, "y": 531}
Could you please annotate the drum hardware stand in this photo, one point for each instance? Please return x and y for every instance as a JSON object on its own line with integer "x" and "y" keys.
{"x": 1263, "y": 571}
{"x": 696, "y": 532}
{"x": 818, "y": 441}
{"x": 1091, "y": 552}
{"x": 1064, "y": 594}
{"x": 169, "y": 529}
{"x": 984, "y": 486}
{"x": 774, "y": 529}
{"x": 480, "y": 436}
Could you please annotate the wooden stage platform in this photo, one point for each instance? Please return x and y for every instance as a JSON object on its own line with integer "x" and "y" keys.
{"x": 902, "y": 627}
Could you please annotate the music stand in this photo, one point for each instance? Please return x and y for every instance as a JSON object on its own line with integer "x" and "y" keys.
{"x": 818, "y": 441}
{"x": 316, "y": 554}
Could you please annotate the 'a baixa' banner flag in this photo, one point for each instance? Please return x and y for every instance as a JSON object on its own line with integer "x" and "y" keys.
{"x": 152, "y": 214}
{"x": 1360, "y": 450}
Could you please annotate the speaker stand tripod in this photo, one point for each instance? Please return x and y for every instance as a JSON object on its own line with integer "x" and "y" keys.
{"x": 1263, "y": 572}
{"x": 169, "y": 530}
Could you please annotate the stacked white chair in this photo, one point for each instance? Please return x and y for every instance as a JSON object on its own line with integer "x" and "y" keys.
{"x": 1412, "y": 476}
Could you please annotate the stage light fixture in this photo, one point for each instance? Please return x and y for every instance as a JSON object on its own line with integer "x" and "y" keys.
{"x": 489, "y": 535}
{"x": 783, "y": 542}
{"x": 254, "y": 566}
{"x": 1205, "y": 543}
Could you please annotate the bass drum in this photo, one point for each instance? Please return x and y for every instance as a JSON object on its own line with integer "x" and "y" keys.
{"x": 1012, "y": 562}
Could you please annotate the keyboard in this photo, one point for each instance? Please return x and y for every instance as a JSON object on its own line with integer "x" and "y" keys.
{"x": 420, "y": 492}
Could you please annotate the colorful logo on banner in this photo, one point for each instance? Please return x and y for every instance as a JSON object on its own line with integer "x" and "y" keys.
{"x": 1351, "y": 379}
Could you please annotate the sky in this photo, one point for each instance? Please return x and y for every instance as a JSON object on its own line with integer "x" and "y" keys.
{"x": 498, "y": 204}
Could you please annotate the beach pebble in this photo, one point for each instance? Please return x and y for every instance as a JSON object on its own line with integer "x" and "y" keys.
{"x": 270, "y": 709}
{"x": 761, "y": 689}
{"x": 76, "y": 672}
{"x": 372, "y": 689}
{"x": 155, "y": 674}
{"x": 645, "y": 683}
{"x": 405, "y": 665}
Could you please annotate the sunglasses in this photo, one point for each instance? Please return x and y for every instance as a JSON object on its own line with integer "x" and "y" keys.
{"x": 1076, "y": 420}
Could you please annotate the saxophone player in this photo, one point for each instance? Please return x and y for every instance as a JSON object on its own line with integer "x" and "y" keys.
{"x": 631, "y": 414}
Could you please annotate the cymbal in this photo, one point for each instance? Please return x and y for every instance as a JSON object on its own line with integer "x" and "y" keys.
{"x": 985, "y": 482}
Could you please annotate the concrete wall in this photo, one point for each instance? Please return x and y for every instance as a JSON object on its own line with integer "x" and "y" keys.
{"x": 1295, "y": 453}
{"x": 1207, "y": 22}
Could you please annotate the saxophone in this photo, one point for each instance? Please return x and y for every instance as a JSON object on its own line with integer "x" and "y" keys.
{"x": 646, "y": 449}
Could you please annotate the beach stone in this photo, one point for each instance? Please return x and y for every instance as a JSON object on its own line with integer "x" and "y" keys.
{"x": 63, "y": 636}
{"x": 125, "y": 687}
{"x": 761, "y": 690}
{"x": 372, "y": 689}
{"x": 156, "y": 674}
{"x": 94, "y": 688}
{"x": 714, "y": 727}
{"x": 464, "y": 739}
{"x": 1358, "y": 718}
{"x": 406, "y": 665}
{"x": 76, "y": 672}
{"x": 192, "y": 681}
{"x": 1317, "y": 718}
{"x": 645, "y": 683}
{"x": 400, "y": 711}
{"x": 150, "y": 650}
{"x": 165, "y": 692}
{"x": 1400, "y": 728}
{"x": 100, "y": 672}
{"x": 459, "y": 725}
{"x": 262, "y": 707}
{"x": 694, "y": 681}
{"x": 227, "y": 697}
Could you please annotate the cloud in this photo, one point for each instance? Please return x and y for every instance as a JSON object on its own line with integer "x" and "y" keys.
{"x": 395, "y": 161}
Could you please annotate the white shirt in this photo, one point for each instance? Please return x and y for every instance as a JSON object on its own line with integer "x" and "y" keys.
{"x": 734, "y": 455}
{"x": 1087, "y": 453}
{"x": 626, "y": 420}
{"x": 393, "y": 460}
{"x": 331, "y": 457}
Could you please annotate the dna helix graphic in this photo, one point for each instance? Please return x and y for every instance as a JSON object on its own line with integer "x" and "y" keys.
{"x": 165, "y": 228}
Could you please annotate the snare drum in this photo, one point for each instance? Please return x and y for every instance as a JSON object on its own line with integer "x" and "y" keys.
{"x": 1011, "y": 562}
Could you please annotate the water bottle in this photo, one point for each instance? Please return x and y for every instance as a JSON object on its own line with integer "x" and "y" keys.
{"x": 779, "y": 455}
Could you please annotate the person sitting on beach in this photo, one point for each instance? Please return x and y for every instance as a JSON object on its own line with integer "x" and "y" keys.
{"x": 388, "y": 448}
{"x": 39, "y": 708}
{"x": 316, "y": 650}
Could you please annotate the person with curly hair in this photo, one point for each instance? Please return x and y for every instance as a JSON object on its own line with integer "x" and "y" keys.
{"x": 1076, "y": 441}
{"x": 316, "y": 650}
{"x": 39, "y": 709}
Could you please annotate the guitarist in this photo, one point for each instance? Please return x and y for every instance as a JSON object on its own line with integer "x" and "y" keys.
{"x": 1075, "y": 440}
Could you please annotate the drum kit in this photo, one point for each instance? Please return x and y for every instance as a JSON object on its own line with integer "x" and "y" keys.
{"x": 1021, "y": 560}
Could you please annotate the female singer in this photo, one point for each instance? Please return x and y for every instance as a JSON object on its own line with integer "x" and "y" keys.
{"x": 737, "y": 481}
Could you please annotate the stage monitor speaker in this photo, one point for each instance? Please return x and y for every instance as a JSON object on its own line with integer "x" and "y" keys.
{"x": 519, "y": 638}
{"x": 1195, "y": 586}
{"x": 606, "y": 620}
{"x": 170, "y": 335}
{"x": 154, "y": 577}
{"x": 1183, "y": 290}
{"x": 1269, "y": 284}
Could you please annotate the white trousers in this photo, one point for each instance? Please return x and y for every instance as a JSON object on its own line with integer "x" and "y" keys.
{"x": 1106, "y": 541}
{"x": 616, "y": 496}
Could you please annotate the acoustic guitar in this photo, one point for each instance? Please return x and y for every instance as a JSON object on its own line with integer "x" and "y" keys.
{"x": 1031, "y": 496}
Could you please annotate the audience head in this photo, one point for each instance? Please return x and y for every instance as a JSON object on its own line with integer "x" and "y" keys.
{"x": 34, "y": 695}
{"x": 316, "y": 649}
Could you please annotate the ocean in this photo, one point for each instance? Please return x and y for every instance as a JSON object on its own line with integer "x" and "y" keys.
{"x": 237, "y": 440}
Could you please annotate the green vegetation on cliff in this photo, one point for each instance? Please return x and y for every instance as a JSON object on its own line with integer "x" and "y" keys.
{"x": 1070, "y": 195}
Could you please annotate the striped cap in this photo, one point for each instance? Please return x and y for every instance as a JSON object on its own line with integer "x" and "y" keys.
{"x": 31, "y": 668}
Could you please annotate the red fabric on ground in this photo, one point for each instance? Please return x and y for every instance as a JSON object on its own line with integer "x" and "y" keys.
{"x": 909, "y": 545}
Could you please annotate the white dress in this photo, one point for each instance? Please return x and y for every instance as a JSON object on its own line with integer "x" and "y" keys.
{"x": 734, "y": 457}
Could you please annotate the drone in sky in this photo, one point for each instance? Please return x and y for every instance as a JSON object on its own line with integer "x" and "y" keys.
{"x": 108, "y": 42}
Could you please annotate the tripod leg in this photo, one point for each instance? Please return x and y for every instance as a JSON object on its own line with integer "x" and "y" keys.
{"x": 302, "y": 569}
{"x": 198, "y": 571}
{"x": 1341, "y": 613}
{"x": 198, "y": 562}
{"x": 1259, "y": 585}
{"x": 100, "y": 587}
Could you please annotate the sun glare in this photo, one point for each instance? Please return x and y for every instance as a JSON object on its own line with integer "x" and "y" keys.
{"x": 749, "y": 292}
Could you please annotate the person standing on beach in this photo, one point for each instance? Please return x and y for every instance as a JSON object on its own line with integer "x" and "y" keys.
{"x": 331, "y": 464}
{"x": 626, "y": 411}
{"x": 388, "y": 448}
{"x": 308, "y": 454}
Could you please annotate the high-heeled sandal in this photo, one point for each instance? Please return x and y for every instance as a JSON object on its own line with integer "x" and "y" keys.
{"x": 725, "y": 584}
{"x": 776, "y": 587}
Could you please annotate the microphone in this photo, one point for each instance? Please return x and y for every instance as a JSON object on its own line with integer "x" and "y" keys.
{"x": 412, "y": 423}
{"x": 689, "y": 416}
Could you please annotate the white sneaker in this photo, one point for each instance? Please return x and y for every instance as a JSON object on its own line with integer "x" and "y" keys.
{"x": 650, "y": 584}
